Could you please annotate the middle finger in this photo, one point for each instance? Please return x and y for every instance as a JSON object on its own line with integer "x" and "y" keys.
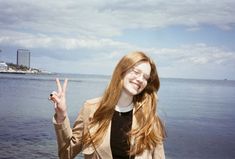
{"x": 65, "y": 85}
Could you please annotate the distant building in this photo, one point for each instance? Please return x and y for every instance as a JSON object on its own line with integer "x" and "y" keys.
{"x": 23, "y": 57}
{"x": 3, "y": 66}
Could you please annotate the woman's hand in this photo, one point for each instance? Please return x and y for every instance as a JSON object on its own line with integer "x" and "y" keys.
{"x": 59, "y": 100}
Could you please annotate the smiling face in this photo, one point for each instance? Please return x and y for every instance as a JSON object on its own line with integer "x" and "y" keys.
{"x": 136, "y": 79}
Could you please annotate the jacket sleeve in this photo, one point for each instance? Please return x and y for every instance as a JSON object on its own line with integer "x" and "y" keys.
{"x": 158, "y": 152}
{"x": 69, "y": 139}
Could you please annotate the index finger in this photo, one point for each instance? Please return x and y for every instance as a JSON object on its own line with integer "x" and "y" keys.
{"x": 58, "y": 85}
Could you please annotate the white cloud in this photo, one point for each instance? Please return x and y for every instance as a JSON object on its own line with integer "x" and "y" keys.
{"x": 195, "y": 54}
{"x": 195, "y": 61}
{"x": 109, "y": 18}
{"x": 57, "y": 42}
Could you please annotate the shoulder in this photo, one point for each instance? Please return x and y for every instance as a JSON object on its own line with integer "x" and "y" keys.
{"x": 91, "y": 105}
{"x": 93, "y": 101}
{"x": 88, "y": 109}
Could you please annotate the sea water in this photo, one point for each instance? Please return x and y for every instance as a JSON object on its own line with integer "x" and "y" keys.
{"x": 199, "y": 114}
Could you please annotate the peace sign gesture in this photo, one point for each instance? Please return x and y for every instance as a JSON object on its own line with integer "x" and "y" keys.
{"x": 59, "y": 100}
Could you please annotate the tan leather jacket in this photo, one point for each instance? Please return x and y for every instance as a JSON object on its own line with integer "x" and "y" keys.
{"x": 70, "y": 140}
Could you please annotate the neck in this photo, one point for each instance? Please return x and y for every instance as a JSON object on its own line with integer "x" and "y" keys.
{"x": 125, "y": 99}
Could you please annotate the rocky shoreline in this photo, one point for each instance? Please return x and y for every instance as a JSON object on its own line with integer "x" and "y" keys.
{"x": 9, "y": 68}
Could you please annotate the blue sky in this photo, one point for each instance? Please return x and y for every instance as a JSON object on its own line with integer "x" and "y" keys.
{"x": 186, "y": 39}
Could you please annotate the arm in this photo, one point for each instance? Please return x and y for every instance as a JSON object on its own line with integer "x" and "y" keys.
{"x": 69, "y": 140}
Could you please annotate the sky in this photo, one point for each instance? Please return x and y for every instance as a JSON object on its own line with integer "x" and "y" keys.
{"x": 185, "y": 38}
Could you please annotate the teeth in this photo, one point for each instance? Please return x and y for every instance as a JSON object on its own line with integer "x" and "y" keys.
{"x": 136, "y": 85}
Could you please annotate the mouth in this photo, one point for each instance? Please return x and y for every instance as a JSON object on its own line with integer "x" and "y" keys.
{"x": 137, "y": 86}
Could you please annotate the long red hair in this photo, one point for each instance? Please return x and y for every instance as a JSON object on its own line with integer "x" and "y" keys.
{"x": 151, "y": 130}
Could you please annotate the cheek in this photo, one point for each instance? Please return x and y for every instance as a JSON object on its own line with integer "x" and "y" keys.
{"x": 127, "y": 78}
{"x": 144, "y": 85}
{"x": 125, "y": 82}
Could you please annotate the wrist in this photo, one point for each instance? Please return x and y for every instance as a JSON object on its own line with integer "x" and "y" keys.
{"x": 60, "y": 117}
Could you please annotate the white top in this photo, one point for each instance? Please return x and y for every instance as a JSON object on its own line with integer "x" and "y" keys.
{"x": 123, "y": 109}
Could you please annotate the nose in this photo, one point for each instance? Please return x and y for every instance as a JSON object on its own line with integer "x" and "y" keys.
{"x": 140, "y": 78}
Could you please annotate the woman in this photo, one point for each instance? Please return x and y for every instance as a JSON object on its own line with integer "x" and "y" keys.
{"x": 123, "y": 123}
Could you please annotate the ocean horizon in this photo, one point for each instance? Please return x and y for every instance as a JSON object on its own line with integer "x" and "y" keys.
{"x": 198, "y": 114}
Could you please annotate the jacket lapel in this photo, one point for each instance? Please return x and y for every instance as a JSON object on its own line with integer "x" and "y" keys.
{"x": 104, "y": 149}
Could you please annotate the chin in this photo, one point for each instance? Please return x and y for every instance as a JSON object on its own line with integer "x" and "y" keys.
{"x": 134, "y": 92}
{"x": 131, "y": 92}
